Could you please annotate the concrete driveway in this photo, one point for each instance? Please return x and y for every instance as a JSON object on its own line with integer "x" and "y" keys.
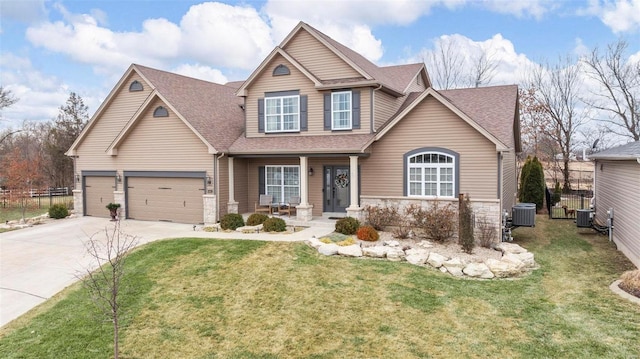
{"x": 40, "y": 261}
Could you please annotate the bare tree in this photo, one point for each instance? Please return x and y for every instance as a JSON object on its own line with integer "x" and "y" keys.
{"x": 105, "y": 283}
{"x": 619, "y": 93}
{"x": 534, "y": 123}
{"x": 557, "y": 90}
{"x": 6, "y": 98}
{"x": 483, "y": 69}
{"x": 445, "y": 64}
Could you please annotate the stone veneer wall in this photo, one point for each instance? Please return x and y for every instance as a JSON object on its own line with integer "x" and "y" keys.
{"x": 488, "y": 209}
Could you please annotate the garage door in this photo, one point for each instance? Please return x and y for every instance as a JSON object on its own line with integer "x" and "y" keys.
{"x": 98, "y": 192}
{"x": 165, "y": 199}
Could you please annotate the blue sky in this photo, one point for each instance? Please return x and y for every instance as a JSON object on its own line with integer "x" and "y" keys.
{"x": 49, "y": 48}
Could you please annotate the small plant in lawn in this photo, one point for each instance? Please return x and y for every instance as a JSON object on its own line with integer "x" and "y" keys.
{"x": 256, "y": 219}
{"x": 209, "y": 229}
{"x": 466, "y": 238}
{"x": 326, "y": 240}
{"x": 231, "y": 221}
{"x": 274, "y": 225}
{"x": 487, "y": 232}
{"x": 630, "y": 282}
{"x": 437, "y": 223}
{"x": 347, "y": 225}
{"x": 368, "y": 233}
{"x": 347, "y": 242}
{"x": 58, "y": 211}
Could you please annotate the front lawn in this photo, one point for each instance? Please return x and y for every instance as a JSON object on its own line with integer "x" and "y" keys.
{"x": 199, "y": 298}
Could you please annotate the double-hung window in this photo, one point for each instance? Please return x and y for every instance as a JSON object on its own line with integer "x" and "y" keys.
{"x": 431, "y": 174}
{"x": 282, "y": 182}
{"x": 341, "y": 110}
{"x": 282, "y": 113}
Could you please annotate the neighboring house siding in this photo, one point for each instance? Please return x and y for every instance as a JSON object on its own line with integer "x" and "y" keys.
{"x": 618, "y": 187}
{"x": 315, "y": 101}
{"x": 91, "y": 151}
{"x": 509, "y": 180}
{"x": 385, "y": 107}
{"x": 431, "y": 124}
{"x": 318, "y": 59}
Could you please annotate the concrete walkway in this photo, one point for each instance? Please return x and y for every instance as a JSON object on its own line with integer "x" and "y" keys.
{"x": 38, "y": 262}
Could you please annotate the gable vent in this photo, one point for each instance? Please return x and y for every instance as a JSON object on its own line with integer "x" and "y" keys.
{"x": 136, "y": 86}
{"x": 160, "y": 112}
{"x": 281, "y": 70}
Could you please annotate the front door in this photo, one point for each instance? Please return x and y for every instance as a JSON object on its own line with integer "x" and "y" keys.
{"x": 337, "y": 181}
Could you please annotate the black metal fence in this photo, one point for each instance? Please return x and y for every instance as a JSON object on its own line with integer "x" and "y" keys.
{"x": 566, "y": 206}
{"x": 37, "y": 199}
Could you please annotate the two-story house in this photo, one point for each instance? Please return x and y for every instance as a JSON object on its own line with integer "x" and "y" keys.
{"x": 315, "y": 120}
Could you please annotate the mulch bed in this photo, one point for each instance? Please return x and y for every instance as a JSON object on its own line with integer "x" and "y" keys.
{"x": 633, "y": 291}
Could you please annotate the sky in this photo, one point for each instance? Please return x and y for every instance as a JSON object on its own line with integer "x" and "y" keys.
{"x": 51, "y": 48}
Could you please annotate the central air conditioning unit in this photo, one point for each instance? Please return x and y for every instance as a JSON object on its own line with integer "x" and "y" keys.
{"x": 523, "y": 215}
{"x": 583, "y": 218}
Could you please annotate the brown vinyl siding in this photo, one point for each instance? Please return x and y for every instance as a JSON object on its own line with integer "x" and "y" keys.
{"x": 618, "y": 186}
{"x": 318, "y": 59}
{"x": 431, "y": 124}
{"x": 414, "y": 86}
{"x": 91, "y": 151}
{"x": 385, "y": 106}
{"x": 509, "y": 180}
{"x": 241, "y": 180}
{"x": 265, "y": 82}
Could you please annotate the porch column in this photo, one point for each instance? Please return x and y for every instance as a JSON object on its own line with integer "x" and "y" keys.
{"x": 354, "y": 209}
{"x": 304, "y": 209}
{"x": 232, "y": 205}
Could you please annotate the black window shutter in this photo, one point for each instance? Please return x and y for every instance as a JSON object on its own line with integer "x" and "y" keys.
{"x": 327, "y": 111}
{"x": 303, "y": 113}
{"x": 261, "y": 180}
{"x": 261, "y": 115}
{"x": 355, "y": 109}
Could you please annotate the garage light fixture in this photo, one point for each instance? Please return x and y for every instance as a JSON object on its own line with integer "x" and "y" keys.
{"x": 77, "y": 178}
{"x": 208, "y": 180}
{"x": 310, "y": 171}
{"x": 118, "y": 178}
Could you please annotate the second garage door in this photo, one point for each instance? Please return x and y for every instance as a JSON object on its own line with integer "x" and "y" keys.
{"x": 165, "y": 199}
{"x": 98, "y": 192}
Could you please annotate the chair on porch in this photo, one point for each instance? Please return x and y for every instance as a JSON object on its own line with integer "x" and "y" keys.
{"x": 290, "y": 207}
{"x": 264, "y": 203}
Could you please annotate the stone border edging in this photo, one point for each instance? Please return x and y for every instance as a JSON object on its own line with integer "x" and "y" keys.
{"x": 617, "y": 290}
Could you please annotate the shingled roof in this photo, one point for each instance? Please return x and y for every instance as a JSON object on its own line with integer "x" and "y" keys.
{"x": 322, "y": 144}
{"x": 630, "y": 151}
{"x": 213, "y": 110}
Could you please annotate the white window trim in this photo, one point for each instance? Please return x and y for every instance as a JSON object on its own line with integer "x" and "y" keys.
{"x": 281, "y": 185}
{"x": 281, "y": 115}
{"x": 350, "y": 111}
{"x": 438, "y": 167}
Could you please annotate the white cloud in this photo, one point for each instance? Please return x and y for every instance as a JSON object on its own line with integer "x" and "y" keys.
{"x": 27, "y": 11}
{"x": 201, "y": 72}
{"x": 619, "y": 15}
{"x": 520, "y": 8}
{"x": 580, "y": 49}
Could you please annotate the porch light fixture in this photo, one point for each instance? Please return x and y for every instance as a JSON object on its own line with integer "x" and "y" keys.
{"x": 310, "y": 171}
{"x": 77, "y": 178}
{"x": 208, "y": 179}
{"x": 118, "y": 178}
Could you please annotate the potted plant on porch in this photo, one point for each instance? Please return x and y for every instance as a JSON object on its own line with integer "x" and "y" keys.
{"x": 113, "y": 210}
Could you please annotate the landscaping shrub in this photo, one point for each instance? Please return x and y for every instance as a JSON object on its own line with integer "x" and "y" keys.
{"x": 256, "y": 219}
{"x": 532, "y": 183}
{"x": 381, "y": 217}
{"x": 58, "y": 211}
{"x": 487, "y": 232}
{"x": 437, "y": 223}
{"x": 231, "y": 221}
{"x": 630, "y": 282}
{"x": 347, "y": 225}
{"x": 368, "y": 233}
{"x": 274, "y": 225}
{"x": 347, "y": 242}
{"x": 466, "y": 237}
{"x": 557, "y": 194}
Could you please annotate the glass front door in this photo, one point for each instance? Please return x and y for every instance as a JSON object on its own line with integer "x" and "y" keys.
{"x": 337, "y": 181}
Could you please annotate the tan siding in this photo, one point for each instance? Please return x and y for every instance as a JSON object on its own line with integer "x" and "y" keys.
{"x": 509, "y": 180}
{"x": 385, "y": 107}
{"x": 431, "y": 124}
{"x": 91, "y": 151}
{"x": 414, "y": 86}
{"x": 223, "y": 186}
{"x": 241, "y": 179}
{"x": 297, "y": 81}
{"x": 162, "y": 144}
{"x": 318, "y": 59}
{"x": 618, "y": 187}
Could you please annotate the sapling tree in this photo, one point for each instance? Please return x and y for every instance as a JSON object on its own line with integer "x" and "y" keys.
{"x": 109, "y": 249}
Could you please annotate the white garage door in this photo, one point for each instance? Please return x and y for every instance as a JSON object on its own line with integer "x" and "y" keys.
{"x": 165, "y": 199}
{"x": 98, "y": 192}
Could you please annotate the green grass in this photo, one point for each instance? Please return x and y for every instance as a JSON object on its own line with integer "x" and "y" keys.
{"x": 13, "y": 214}
{"x": 199, "y": 298}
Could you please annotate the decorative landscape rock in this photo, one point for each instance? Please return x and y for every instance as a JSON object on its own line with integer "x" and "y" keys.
{"x": 514, "y": 261}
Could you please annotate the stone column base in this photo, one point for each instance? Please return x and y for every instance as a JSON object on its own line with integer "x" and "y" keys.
{"x": 118, "y": 197}
{"x": 355, "y": 212}
{"x": 232, "y": 207}
{"x": 78, "y": 204}
{"x": 210, "y": 215}
{"x": 304, "y": 213}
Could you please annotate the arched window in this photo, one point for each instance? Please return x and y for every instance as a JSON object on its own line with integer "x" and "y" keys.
{"x": 160, "y": 112}
{"x": 281, "y": 70}
{"x": 135, "y": 86}
{"x": 431, "y": 173}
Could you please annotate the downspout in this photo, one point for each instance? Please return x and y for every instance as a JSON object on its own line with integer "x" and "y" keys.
{"x": 216, "y": 186}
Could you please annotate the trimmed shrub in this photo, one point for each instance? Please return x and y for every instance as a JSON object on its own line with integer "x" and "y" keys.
{"x": 368, "y": 233}
{"x": 437, "y": 223}
{"x": 58, "y": 211}
{"x": 466, "y": 238}
{"x": 487, "y": 232}
{"x": 256, "y": 219}
{"x": 630, "y": 282}
{"x": 274, "y": 224}
{"x": 231, "y": 221}
{"x": 347, "y": 225}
